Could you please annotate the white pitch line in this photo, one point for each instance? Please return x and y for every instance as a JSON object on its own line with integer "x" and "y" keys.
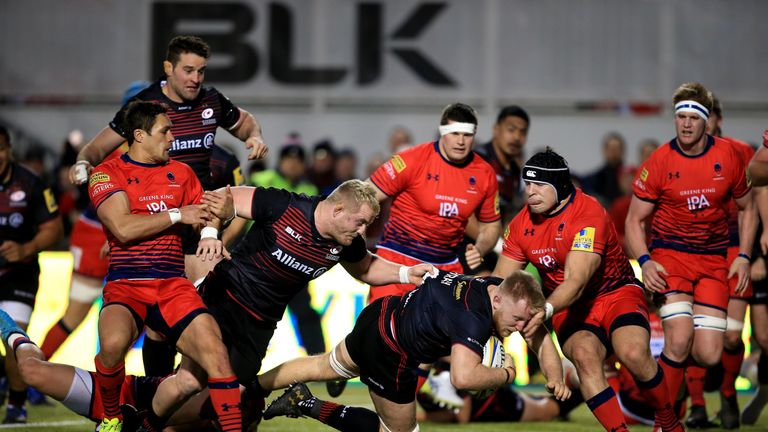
{"x": 44, "y": 424}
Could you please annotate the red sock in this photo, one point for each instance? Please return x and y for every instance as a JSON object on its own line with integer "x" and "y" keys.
{"x": 674, "y": 373}
{"x": 658, "y": 395}
{"x": 109, "y": 381}
{"x": 732, "y": 360}
{"x": 55, "y": 337}
{"x": 225, "y": 397}
{"x": 605, "y": 406}
{"x": 694, "y": 380}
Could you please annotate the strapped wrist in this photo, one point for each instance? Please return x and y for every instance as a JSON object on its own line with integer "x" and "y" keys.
{"x": 209, "y": 232}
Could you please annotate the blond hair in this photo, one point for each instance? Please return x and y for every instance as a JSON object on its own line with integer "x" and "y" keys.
{"x": 521, "y": 285}
{"x": 696, "y": 92}
{"x": 355, "y": 193}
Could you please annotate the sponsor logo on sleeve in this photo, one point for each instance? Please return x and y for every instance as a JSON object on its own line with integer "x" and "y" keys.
{"x": 50, "y": 201}
{"x": 644, "y": 174}
{"x": 398, "y": 163}
{"x": 98, "y": 177}
{"x": 101, "y": 188}
{"x": 584, "y": 240}
{"x": 496, "y": 206}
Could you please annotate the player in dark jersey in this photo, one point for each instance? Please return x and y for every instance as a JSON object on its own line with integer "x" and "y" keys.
{"x": 140, "y": 197}
{"x": 447, "y": 315}
{"x": 29, "y": 223}
{"x": 595, "y": 303}
{"x": 196, "y": 113}
{"x": 688, "y": 185}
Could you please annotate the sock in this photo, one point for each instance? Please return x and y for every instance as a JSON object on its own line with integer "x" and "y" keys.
{"x": 158, "y": 356}
{"x": 694, "y": 380}
{"x": 762, "y": 369}
{"x": 605, "y": 407}
{"x": 421, "y": 378}
{"x": 340, "y": 417}
{"x": 55, "y": 337}
{"x": 673, "y": 373}
{"x": 732, "y": 360}
{"x": 225, "y": 397}
{"x": 569, "y": 404}
{"x": 17, "y": 398}
{"x": 109, "y": 381}
{"x": 656, "y": 390}
{"x": 152, "y": 422}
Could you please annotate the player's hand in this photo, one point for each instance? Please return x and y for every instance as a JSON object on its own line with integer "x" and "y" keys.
{"x": 764, "y": 242}
{"x": 104, "y": 251}
{"x": 558, "y": 389}
{"x": 12, "y": 251}
{"x": 533, "y": 325}
{"x": 257, "y": 146}
{"x": 653, "y": 276}
{"x": 221, "y": 205}
{"x": 194, "y": 214}
{"x": 758, "y": 269}
{"x": 473, "y": 257}
{"x": 740, "y": 268}
{"x": 77, "y": 170}
{"x": 211, "y": 249}
{"x": 418, "y": 273}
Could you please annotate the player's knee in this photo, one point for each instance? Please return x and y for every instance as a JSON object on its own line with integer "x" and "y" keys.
{"x": 586, "y": 360}
{"x": 634, "y": 354}
{"x": 381, "y": 426}
{"x": 732, "y": 339}
{"x": 187, "y": 383}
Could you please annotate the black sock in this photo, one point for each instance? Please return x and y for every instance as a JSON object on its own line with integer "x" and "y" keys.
{"x": 569, "y": 404}
{"x": 762, "y": 369}
{"x": 17, "y": 398}
{"x": 158, "y": 357}
{"x": 340, "y": 417}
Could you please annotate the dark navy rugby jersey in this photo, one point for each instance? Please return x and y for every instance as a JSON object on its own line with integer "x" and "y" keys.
{"x": 445, "y": 310}
{"x": 193, "y": 127}
{"x": 24, "y": 204}
{"x": 281, "y": 253}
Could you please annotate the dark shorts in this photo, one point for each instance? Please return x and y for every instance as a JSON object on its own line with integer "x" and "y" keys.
{"x": 20, "y": 283}
{"x": 759, "y": 292}
{"x": 246, "y": 337}
{"x": 504, "y": 405}
{"x": 384, "y": 367}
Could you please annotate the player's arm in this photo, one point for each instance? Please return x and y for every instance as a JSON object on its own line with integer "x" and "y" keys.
{"x": 634, "y": 236}
{"x": 48, "y": 233}
{"x": 579, "y": 268}
{"x": 747, "y": 231}
{"x": 115, "y": 214}
{"x": 229, "y": 202}
{"x": 506, "y": 265}
{"x": 248, "y": 130}
{"x": 380, "y": 196}
{"x": 761, "y": 202}
{"x": 375, "y": 270}
{"x": 467, "y": 372}
{"x": 488, "y": 234}
{"x": 758, "y": 166}
{"x": 96, "y": 151}
{"x": 542, "y": 344}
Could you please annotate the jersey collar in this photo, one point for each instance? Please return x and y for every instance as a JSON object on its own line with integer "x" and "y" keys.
{"x": 471, "y": 156}
{"x": 676, "y": 147}
{"x": 128, "y": 159}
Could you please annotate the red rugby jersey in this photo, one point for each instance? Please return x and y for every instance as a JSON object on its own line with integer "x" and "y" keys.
{"x": 746, "y": 151}
{"x": 151, "y": 188}
{"x": 433, "y": 199}
{"x": 692, "y": 195}
{"x": 582, "y": 225}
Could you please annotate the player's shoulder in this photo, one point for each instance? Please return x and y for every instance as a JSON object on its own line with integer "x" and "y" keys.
{"x": 585, "y": 203}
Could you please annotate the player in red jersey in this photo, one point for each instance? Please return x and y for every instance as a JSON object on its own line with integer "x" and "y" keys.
{"x": 733, "y": 347}
{"x": 758, "y": 166}
{"x": 596, "y": 304}
{"x": 139, "y": 198}
{"x": 436, "y": 187}
{"x": 196, "y": 113}
{"x": 689, "y": 183}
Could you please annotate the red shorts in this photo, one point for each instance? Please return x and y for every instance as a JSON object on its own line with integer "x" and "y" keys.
{"x": 377, "y": 292}
{"x": 604, "y": 314}
{"x": 733, "y": 252}
{"x": 86, "y": 242}
{"x": 702, "y": 276}
{"x": 166, "y": 306}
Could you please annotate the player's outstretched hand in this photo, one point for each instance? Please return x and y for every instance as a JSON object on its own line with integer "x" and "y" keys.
{"x": 652, "y": 276}
{"x": 533, "y": 325}
{"x": 558, "y": 389}
{"x": 740, "y": 268}
{"x": 79, "y": 172}
{"x": 418, "y": 273}
{"x": 210, "y": 249}
{"x": 221, "y": 204}
{"x": 473, "y": 257}
{"x": 258, "y": 148}
{"x": 194, "y": 214}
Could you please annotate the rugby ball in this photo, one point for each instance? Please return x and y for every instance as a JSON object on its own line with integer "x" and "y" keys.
{"x": 493, "y": 353}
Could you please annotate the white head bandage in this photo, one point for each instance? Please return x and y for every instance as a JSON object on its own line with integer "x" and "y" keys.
{"x": 692, "y": 107}
{"x": 467, "y": 128}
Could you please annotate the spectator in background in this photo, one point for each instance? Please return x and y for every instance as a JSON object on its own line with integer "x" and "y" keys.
{"x": 620, "y": 207}
{"x": 321, "y": 167}
{"x": 604, "y": 183}
{"x": 376, "y": 229}
{"x": 647, "y": 147}
{"x": 289, "y": 176}
{"x": 399, "y": 139}
{"x": 344, "y": 169}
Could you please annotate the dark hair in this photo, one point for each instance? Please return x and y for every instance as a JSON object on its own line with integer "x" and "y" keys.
{"x": 4, "y": 132}
{"x": 186, "y": 44}
{"x": 141, "y": 115}
{"x": 458, "y": 112}
{"x": 513, "y": 111}
{"x": 548, "y": 167}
